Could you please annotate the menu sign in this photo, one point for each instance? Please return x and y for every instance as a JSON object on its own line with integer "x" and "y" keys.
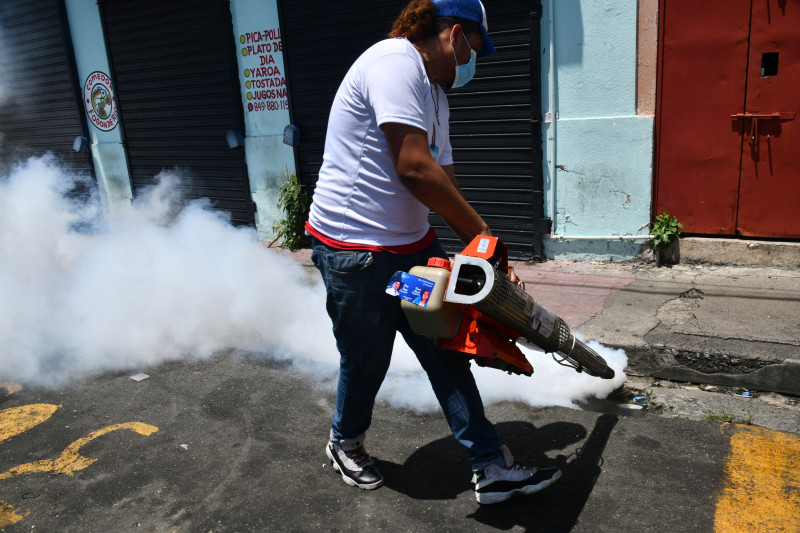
{"x": 265, "y": 84}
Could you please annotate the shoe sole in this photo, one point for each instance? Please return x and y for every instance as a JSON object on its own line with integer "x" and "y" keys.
{"x": 486, "y": 498}
{"x": 350, "y": 481}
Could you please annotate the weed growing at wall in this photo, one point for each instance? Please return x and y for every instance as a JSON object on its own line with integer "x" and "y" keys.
{"x": 666, "y": 230}
{"x": 294, "y": 201}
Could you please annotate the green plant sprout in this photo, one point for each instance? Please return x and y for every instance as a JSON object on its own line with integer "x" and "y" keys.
{"x": 666, "y": 230}
{"x": 294, "y": 202}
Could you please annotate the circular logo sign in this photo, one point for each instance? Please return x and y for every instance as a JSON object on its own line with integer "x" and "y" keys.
{"x": 101, "y": 106}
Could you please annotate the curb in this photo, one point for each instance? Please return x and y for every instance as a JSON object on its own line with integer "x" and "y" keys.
{"x": 661, "y": 363}
{"x": 734, "y": 252}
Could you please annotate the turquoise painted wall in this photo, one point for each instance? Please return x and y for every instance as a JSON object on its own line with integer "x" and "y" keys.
{"x": 107, "y": 150}
{"x": 603, "y": 151}
{"x": 262, "y": 79}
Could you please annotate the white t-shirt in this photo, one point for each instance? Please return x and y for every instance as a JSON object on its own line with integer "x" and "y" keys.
{"x": 359, "y": 197}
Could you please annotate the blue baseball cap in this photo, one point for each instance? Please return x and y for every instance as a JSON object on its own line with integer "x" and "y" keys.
{"x": 469, "y": 10}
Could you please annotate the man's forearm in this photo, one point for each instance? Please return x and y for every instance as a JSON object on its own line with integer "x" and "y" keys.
{"x": 431, "y": 186}
{"x": 465, "y": 237}
{"x": 427, "y": 181}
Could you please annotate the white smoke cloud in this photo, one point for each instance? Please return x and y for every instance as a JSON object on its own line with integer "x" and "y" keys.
{"x": 158, "y": 287}
{"x": 73, "y": 304}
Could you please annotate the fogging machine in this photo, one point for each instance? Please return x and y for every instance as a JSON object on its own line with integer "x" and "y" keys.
{"x": 473, "y": 307}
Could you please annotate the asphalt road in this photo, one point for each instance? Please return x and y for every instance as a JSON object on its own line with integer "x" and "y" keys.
{"x": 236, "y": 444}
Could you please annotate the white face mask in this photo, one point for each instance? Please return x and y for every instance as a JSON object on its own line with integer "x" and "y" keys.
{"x": 465, "y": 72}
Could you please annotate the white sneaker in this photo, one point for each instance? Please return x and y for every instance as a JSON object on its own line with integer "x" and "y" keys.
{"x": 496, "y": 484}
{"x": 355, "y": 466}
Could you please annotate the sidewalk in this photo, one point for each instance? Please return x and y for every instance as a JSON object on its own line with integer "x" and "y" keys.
{"x": 736, "y": 326}
{"x": 717, "y": 325}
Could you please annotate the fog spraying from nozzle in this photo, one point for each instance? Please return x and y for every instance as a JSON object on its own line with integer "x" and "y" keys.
{"x": 551, "y": 383}
{"x": 167, "y": 282}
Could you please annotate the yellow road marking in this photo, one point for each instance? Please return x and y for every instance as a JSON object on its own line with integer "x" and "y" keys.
{"x": 762, "y": 486}
{"x": 10, "y": 514}
{"x": 18, "y": 420}
{"x": 70, "y": 461}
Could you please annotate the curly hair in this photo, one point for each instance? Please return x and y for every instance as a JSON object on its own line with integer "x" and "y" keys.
{"x": 418, "y": 21}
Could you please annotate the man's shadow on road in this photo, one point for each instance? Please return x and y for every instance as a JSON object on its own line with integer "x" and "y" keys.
{"x": 437, "y": 472}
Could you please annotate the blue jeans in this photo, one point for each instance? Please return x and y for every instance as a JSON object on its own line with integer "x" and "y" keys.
{"x": 365, "y": 321}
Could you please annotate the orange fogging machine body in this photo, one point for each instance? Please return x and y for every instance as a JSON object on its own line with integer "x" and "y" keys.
{"x": 474, "y": 308}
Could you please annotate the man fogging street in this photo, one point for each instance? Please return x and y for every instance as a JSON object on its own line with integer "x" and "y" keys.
{"x": 387, "y": 163}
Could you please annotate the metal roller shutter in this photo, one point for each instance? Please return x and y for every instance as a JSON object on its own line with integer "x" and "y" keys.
{"x": 40, "y": 103}
{"x": 495, "y": 129}
{"x": 174, "y": 73}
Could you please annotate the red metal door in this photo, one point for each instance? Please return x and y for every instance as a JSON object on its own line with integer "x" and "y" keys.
{"x": 769, "y": 194}
{"x": 703, "y": 60}
{"x": 716, "y": 168}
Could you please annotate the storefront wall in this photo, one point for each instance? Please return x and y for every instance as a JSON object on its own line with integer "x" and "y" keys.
{"x": 597, "y": 159}
{"x": 40, "y": 105}
{"x": 256, "y": 38}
